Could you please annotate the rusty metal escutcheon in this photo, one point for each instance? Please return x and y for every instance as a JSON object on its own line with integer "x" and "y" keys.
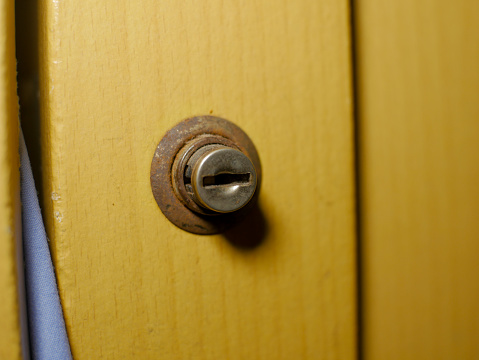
{"x": 174, "y": 151}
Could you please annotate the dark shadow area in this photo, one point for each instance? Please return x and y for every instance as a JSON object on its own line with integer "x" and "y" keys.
{"x": 357, "y": 173}
{"x": 26, "y": 42}
{"x": 250, "y": 232}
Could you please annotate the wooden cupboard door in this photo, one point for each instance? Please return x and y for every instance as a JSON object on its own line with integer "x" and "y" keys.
{"x": 115, "y": 75}
{"x": 418, "y": 86}
{"x": 10, "y": 217}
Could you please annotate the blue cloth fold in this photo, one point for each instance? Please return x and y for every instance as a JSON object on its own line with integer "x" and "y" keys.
{"x": 47, "y": 332}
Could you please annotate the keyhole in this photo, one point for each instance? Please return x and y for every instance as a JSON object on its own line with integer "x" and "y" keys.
{"x": 227, "y": 179}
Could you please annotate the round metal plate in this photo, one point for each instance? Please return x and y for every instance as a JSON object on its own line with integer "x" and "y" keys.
{"x": 161, "y": 173}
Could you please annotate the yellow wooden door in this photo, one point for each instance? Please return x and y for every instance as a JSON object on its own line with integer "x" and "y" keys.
{"x": 10, "y": 229}
{"x": 418, "y": 116}
{"x": 115, "y": 75}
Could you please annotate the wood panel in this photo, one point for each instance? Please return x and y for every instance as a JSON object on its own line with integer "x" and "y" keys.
{"x": 10, "y": 230}
{"x": 115, "y": 75}
{"x": 418, "y": 94}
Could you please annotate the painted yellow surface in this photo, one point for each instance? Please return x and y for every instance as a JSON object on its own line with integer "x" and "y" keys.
{"x": 10, "y": 342}
{"x": 115, "y": 76}
{"x": 418, "y": 93}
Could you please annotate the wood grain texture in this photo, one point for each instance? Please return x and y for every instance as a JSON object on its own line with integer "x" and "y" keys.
{"x": 115, "y": 75}
{"x": 419, "y": 144}
{"x": 10, "y": 231}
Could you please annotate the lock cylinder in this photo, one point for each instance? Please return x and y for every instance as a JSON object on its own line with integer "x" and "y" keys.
{"x": 212, "y": 177}
{"x": 220, "y": 179}
{"x": 205, "y": 174}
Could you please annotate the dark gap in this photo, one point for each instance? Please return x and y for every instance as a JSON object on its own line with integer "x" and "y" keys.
{"x": 354, "y": 38}
{"x": 27, "y": 53}
{"x": 187, "y": 175}
{"x": 226, "y": 179}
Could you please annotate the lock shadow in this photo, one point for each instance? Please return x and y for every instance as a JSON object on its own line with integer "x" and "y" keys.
{"x": 250, "y": 232}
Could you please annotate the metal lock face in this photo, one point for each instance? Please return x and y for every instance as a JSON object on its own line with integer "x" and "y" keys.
{"x": 223, "y": 179}
{"x": 205, "y": 174}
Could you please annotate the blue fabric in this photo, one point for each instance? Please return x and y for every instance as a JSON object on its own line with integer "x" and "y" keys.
{"x": 48, "y": 336}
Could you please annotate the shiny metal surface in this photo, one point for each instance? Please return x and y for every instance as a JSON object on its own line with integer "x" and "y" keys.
{"x": 223, "y": 179}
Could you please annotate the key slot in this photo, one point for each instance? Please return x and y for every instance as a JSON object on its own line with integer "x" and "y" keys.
{"x": 227, "y": 179}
